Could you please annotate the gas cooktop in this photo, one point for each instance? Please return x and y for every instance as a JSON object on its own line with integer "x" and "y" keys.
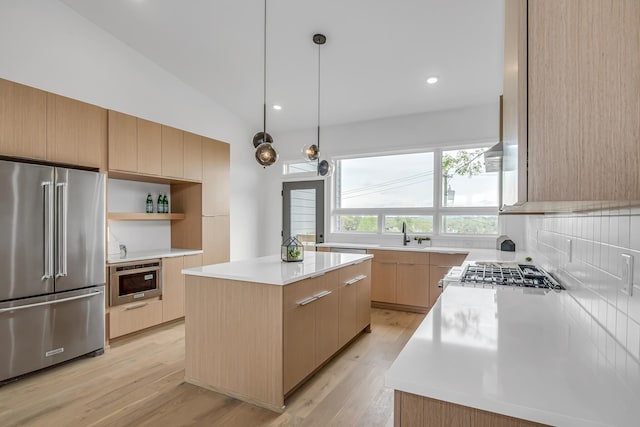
{"x": 522, "y": 275}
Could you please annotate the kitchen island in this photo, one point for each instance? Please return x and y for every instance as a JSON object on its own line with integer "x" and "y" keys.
{"x": 256, "y": 329}
{"x": 502, "y": 356}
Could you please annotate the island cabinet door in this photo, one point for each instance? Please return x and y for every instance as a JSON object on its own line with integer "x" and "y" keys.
{"x": 355, "y": 300}
{"x": 299, "y": 329}
{"x": 327, "y": 320}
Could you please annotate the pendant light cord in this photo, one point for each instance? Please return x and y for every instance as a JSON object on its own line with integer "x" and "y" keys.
{"x": 319, "y": 46}
{"x": 264, "y": 81}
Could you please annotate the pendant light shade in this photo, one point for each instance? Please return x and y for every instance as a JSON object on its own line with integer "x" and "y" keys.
{"x": 258, "y": 139}
{"x": 310, "y": 152}
{"x": 325, "y": 168}
{"x": 266, "y": 155}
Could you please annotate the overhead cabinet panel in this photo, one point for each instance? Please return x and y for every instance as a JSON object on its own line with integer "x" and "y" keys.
{"x": 123, "y": 142}
{"x": 149, "y": 144}
{"x": 215, "y": 177}
{"x": 192, "y": 156}
{"x": 172, "y": 152}
{"x": 23, "y": 118}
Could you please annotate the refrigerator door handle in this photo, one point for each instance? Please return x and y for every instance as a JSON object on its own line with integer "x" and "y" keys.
{"x": 61, "y": 199}
{"x": 57, "y": 301}
{"x": 47, "y": 190}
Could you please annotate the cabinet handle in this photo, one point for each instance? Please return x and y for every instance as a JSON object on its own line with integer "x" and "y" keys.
{"x": 307, "y": 301}
{"x": 381, "y": 262}
{"x": 407, "y": 263}
{"x": 355, "y": 280}
{"x": 322, "y": 294}
{"x": 133, "y": 307}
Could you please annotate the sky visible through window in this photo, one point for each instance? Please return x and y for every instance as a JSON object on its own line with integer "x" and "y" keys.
{"x": 400, "y": 181}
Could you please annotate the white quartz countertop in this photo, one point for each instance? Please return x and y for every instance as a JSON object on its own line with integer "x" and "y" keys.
{"x": 271, "y": 270}
{"x": 526, "y": 353}
{"x": 473, "y": 254}
{"x": 149, "y": 254}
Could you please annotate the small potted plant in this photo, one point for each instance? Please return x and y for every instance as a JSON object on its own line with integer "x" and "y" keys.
{"x": 292, "y": 250}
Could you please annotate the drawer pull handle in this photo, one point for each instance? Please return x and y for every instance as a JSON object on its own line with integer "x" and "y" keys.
{"x": 355, "y": 280}
{"x": 307, "y": 301}
{"x": 133, "y": 307}
{"x": 322, "y": 294}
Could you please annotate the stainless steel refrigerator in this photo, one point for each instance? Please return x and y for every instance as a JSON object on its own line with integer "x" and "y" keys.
{"x": 52, "y": 266}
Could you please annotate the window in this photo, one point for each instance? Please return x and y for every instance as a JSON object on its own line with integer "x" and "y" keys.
{"x": 292, "y": 168}
{"x": 432, "y": 192}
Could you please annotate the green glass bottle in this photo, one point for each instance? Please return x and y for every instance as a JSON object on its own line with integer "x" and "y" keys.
{"x": 160, "y": 207}
{"x": 149, "y": 203}
{"x": 165, "y": 203}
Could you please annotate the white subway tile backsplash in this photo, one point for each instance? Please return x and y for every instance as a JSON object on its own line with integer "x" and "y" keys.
{"x": 594, "y": 274}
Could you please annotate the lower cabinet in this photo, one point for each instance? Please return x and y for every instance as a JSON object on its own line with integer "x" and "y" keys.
{"x": 320, "y": 316}
{"x": 127, "y": 318}
{"x": 408, "y": 280}
{"x": 136, "y": 316}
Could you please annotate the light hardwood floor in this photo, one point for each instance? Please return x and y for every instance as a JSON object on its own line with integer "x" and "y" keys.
{"x": 139, "y": 382}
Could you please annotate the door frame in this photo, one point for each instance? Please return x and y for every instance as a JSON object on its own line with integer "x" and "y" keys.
{"x": 287, "y": 186}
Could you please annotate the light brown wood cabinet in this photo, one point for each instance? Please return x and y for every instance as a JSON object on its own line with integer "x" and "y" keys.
{"x": 401, "y": 278}
{"x": 215, "y": 177}
{"x": 215, "y": 239}
{"x": 149, "y": 147}
{"x": 127, "y": 318}
{"x": 76, "y": 132}
{"x": 23, "y": 121}
{"x": 321, "y": 315}
{"x": 355, "y": 301}
{"x": 172, "y": 152}
{"x": 192, "y": 156}
{"x": 571, "y": 125}
{"x": 411, "y": 410}
{"x": 173, "y": 284}
{"x": 123, "y": 142}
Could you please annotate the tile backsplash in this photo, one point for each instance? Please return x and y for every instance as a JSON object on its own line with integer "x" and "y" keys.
{"x": 584, "y": 252}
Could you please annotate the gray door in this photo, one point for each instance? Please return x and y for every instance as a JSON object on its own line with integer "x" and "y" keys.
{"x": 303, "y": 211}
{"x": 26, "y": 230}
{"x": 80, "y": 229}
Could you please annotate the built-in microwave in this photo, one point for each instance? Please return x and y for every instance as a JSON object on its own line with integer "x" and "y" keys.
{"x": 133, "y": 281}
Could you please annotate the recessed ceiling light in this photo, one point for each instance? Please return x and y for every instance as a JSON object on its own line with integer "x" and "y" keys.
{"x": 277, "y": 107}
{"x": 432, "y": 80}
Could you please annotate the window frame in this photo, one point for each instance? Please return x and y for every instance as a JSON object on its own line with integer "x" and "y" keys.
{"x": 437, "y": 211}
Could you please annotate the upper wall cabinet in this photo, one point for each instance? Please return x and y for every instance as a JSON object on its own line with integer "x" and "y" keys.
{"x": 76, "y": 132}
{"x": 149, "y": 146}
{"x": 571, "y": 114}
{"x": 172, "y": 152}
{"x": 43, "y": 126}
{"x": 192, "y": 156}
{"x": 215, "y": 177}
{"x": 23, "y": 121}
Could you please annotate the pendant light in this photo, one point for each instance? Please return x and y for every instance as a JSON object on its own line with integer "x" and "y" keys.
{"x": 312, "y": 152}
{"x": 266, "y": 155}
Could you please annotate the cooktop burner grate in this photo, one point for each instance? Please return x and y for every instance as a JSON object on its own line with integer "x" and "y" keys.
{"x": 524, "y": 275}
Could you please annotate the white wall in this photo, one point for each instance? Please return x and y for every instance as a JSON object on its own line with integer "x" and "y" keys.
{"x": 45, "y": 44}
{"x": 465, "y": 126}
{"x": 594, "y": 274}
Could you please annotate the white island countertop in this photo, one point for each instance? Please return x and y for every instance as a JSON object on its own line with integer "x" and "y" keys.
{"x": 271, "y": 270}
{"x": 150, "y": 254}
{"x": 525, "y": 353}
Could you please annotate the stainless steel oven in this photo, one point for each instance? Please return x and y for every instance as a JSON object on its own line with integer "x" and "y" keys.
{"x": 133, "y": 281}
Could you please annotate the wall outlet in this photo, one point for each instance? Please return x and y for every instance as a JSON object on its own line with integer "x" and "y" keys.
{"x": 569, "y": 250}
{"x": 627, "y": 273}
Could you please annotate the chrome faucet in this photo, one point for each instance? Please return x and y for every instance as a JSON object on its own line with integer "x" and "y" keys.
{"x": 404, "y": 234}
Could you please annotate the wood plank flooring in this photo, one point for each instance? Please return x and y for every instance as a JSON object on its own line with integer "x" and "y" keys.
{"x": 139, "y": 381}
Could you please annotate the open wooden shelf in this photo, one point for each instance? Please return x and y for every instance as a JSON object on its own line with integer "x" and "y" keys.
{"x": 141, "y": 216}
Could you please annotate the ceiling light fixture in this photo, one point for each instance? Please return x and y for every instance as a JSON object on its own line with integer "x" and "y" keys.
{"x": 432, "y": 80}
{"x": 312, "y": 151}
{"x": 277, "y": 107}
{"x": 266, "y": 155}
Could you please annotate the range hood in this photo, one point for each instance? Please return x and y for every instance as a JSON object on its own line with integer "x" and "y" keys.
{"x": 493, "y": 158}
